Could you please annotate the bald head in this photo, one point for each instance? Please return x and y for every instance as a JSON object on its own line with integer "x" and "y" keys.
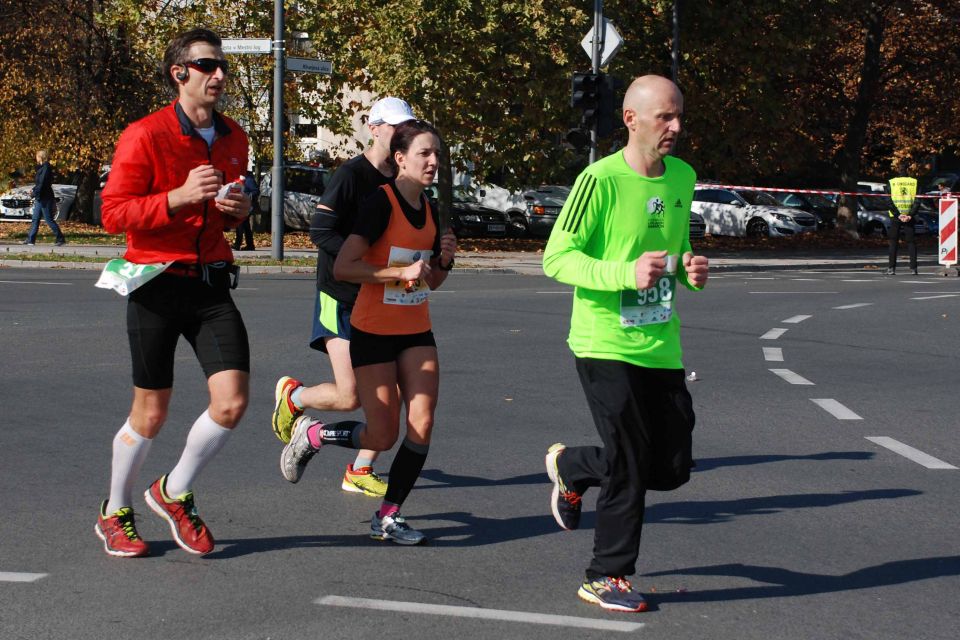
{"x": 649, "y": 88}
{"x": 652, "y": 109}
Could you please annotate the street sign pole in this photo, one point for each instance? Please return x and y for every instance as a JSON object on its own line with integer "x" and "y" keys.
{"x": 598, "y": 33}
{"x": 276, "y": 175}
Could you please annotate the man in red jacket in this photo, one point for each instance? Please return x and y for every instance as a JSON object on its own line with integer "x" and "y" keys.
{"x": 168, "y": 191}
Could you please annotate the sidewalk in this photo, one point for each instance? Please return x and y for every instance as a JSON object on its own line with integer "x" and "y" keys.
{"x": 504, "y": 262}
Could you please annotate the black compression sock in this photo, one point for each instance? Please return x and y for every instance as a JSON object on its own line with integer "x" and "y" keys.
{"x": 406, "y": 468}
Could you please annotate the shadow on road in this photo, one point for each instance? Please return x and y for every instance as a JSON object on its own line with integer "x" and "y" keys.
{"x": 782, "y": 583}
{"x": 707, "y": 464}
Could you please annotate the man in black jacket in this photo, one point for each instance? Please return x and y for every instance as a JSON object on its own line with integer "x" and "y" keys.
{"x": 43, "y": 201}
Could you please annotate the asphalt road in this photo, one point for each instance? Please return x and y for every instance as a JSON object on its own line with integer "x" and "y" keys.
{"x": 796, "y": 524}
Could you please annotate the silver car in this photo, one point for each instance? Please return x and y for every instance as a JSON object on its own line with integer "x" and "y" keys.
{"x": 17, "y": 203}
{"x": 743, "y": 213}
{"x": 303, "y": 186}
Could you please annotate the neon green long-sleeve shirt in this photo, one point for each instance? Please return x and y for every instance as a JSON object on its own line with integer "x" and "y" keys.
{"x": 612, "y": 216}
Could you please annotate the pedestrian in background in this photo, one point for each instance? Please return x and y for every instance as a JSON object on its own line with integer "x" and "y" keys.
{"x": 44, "y": 204}
{"x": 244, "y": 231}
{"x": 623, "y": 240}
{"x": 903, "y": 193}
{"x": 166, "y": 191}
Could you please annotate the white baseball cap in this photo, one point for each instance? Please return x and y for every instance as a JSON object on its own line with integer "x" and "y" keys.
{"x": 390, "y": 110}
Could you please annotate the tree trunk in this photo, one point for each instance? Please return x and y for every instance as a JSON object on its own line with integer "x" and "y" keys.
{"x": 850, "y": 159}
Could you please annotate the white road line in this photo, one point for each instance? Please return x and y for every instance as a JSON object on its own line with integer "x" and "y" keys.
{"x": 850, "y": 280}
{"x": 13, "y": 576}
{"x": 477, "y": 612}
{"x": 918, "y": 282}
{"x": 564, "y": 291}
{"x": 793, "y": 292}
{"x": 795, "y": 319}
{"x": 773, "y": 334}
{"x": 773, "y": 354}
{"x": 910, "y": 453}
{"x": 791, "y": 377}
{"x": 807, "y": 279}
{"x": 759, "y": 278}
{"x": 835, "y": 409}
{"x": 52, "y": 284}
{"x": 942, "y": 295}
{"x": 855, "y": 306}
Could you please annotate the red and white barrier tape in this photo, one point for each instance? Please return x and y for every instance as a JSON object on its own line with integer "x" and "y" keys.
{"x": 825, "y": 192}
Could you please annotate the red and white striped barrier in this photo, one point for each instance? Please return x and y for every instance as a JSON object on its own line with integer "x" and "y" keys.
{"x": 948, "y": 231}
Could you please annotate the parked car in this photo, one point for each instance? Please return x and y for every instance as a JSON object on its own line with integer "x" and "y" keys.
{"x": 511, "y": 203}
{"x": 743, "y": 213}
{"x": 469, "y": 218}
{"x": 821, "y": 207}
{"x": 17, "y": 203}
{"x": 698, "y": 228}
{"x": 302, "y": 188}
{"x": 543, "y": 205}
{"x": 873, "y": 216}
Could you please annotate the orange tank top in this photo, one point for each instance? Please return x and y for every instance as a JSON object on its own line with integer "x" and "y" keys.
{"x": 396, "y": 308}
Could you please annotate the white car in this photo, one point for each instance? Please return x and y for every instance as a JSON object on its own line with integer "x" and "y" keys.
{"x": 17, "y": 204}
{"x": 744, "y": 213}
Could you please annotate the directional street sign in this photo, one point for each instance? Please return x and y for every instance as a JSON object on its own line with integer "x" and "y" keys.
{"x": 611, "y": 43}
{"x": 247, "y": 45}
{"x": 309, "y": 65}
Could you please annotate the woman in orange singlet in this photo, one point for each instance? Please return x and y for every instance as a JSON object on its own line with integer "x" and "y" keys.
{"x": 398, "y": 255}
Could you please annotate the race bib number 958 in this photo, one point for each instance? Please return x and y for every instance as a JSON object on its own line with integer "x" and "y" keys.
{"x": 648, "y": 306}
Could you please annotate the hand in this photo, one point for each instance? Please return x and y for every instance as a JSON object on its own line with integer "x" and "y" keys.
{"x": 236, "y": 204}
{"x": 415, "y": 271}
{"x": 448, "y": 247}
{"x": 904, "y": 218}
{"x": 649, "y": 267}
{"x": 697, "y": 268}
{"x": 202, "y": 184}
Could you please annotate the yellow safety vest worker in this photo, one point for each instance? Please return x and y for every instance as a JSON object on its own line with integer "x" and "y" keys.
{"x": 903, "y": 191}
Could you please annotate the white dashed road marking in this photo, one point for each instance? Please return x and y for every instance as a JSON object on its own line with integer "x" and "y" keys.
{"x": 791, "y": 377}
{"x": 13, "y": 576}
{"x": 773, "y": 334}
{"x": 835, "y": 409}
{"x": 773, "y": 354}
{"x": 52, "y": 284}
{"x": 796, "y": 319}
{"x": 855, "y": 306}
{"x": 477, "y": 612}
{"x": 910, "y": 453}
{"x": 942, "y": 295}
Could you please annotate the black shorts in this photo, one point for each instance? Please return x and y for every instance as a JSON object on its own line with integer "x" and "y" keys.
{"x": 172, "y": 306}
{"x": 374, "y": 348}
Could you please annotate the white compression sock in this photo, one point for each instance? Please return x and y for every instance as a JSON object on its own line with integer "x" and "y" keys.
{"x": 205, "y": 439}
{"x": 129, "y": 451}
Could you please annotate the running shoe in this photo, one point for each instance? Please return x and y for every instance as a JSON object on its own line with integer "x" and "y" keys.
{"x": 363, "y": 480}
{"x": 564, "y": 503}
{"x": 284, "y": 411}
{"x": 187, "y": 528}
{"x": 613, "y": 594}
{"x": 395, "y": 529}
{"x": 119, "y": 533}
{"x": 297, "y": 453}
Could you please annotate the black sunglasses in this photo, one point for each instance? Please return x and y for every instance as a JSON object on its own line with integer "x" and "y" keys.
{"x": 208, "y": 65}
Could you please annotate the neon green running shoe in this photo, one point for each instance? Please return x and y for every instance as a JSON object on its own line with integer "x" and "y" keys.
{"x": 284, "y": 411}
{"x": 363, "y": 480}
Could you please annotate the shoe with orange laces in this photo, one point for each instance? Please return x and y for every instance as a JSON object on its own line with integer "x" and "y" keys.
{"x": 565, "y": 503}
{"x": 363, "y": 480}
{"x": 119, "y": 533}
{"x": 187, "y": 528}
{"x": 285, "y": 413}
{"x": 613, "y": 594}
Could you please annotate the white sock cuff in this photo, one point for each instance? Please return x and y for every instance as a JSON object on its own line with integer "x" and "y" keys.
{"x": 128, "y": 435}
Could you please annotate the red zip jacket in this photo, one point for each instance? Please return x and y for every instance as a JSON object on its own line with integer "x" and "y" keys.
{"x": 154, "y": 156}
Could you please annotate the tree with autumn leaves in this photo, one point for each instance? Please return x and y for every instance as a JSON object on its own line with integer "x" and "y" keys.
{"x": 799, "y": 93}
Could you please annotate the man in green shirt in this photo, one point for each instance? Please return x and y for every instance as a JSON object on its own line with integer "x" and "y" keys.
{"x": 623, "y": 240}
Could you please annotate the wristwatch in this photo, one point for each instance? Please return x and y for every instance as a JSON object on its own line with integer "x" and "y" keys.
{"x": 445, "y": 268}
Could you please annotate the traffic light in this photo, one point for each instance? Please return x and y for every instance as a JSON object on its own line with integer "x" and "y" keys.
{"x": 608, "y": 106}
{"x": 585, "y": 95}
